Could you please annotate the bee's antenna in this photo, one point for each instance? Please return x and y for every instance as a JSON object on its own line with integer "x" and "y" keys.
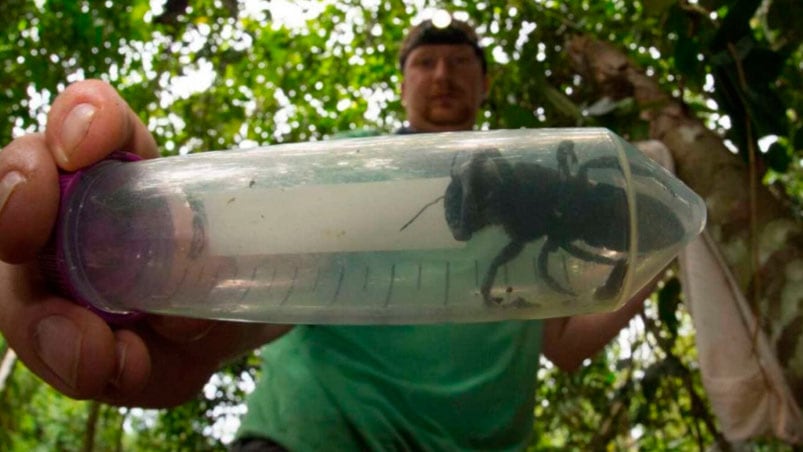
{"x": 438, "y": 199}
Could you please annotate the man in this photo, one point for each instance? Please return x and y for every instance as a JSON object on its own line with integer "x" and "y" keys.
{"x": 323, "y": 387}
{"x": 445, "y": 77}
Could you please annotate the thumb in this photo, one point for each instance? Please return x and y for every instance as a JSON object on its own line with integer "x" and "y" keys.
{"x": 88, "y": 121}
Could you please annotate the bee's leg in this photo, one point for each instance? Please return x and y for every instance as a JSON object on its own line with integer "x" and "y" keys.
{"x": 510, "y": 251}
{"x": 658, "y": 226}
{"x": 588, "y": 256}
{"x": 565, "y": 153}
{"x": 640, "y": 170}
{"x": 543, "y": 267}
{"x": 611, "y": 162}
{"x": 608, "y": 162}
{"x": 614, "y": 283}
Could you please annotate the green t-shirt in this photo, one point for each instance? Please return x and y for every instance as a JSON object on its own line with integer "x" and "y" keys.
{"x": 424, "y": 387}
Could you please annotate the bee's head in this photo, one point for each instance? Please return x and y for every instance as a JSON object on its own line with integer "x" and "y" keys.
{"x": 472, "y": 197}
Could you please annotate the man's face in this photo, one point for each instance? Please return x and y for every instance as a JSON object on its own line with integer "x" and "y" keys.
{"x": 443, "y": 87}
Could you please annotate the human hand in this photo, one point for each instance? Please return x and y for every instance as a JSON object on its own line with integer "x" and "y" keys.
{"x": 159, "y": 361}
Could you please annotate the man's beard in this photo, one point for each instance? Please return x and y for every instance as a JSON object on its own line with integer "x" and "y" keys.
{"x": 455, "y": 114}
{"x": 447, "y": 105}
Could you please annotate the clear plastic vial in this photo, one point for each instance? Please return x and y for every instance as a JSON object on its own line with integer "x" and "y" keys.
{"x": 451, "y": 227}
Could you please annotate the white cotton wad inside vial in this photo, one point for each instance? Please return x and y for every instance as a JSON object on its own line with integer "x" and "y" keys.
{"x": 423, "y": 228}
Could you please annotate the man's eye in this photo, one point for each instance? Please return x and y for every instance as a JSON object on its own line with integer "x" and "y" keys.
{"x": 462, "y": 60}
{"x": 425, "y": 62}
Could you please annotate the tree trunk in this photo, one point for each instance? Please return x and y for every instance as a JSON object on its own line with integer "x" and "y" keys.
{"x": 120, "y": 433}
{"x": 7, "y": 367}
{"x": 91, "y": 426}
{"x": 761, "y": 240}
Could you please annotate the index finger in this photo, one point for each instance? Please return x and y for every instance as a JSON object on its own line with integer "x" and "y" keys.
{"x": 88, "y": 121}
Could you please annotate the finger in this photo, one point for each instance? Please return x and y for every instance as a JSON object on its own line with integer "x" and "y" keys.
{"x": 65, "y": 344}
{"x": 88, "y": 121}
{"x": 192, "y": 362}
{"x": 133, "y": 369}
{"x": 29, "y": 198}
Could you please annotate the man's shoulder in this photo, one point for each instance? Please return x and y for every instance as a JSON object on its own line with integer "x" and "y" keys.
{"x": 358, "y": 133}
{"x": 369, "y": 132}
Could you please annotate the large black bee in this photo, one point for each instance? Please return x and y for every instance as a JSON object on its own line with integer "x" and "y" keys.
{"x": 531, "y": 201}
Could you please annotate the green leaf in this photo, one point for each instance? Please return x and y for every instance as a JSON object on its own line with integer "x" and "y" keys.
{"x": 685, "y": 55}
{"x": 651, "y": 380}
{"x": 778, "y": 157}
{"x": 736, "y": 24}
{"x": 516, "y": 116}
{"x": 561, "y": 102}
{"x": 784, "y": 17}
{"x": 657, "y": 7}
{"x": 668, "y": 300}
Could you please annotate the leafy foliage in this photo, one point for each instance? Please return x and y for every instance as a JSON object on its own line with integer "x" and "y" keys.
{"x": 35, "y": 417}
{"x": 217, "y": 74}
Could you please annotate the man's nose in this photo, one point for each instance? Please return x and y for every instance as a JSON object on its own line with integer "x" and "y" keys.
{"x": 442, "y": 68}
